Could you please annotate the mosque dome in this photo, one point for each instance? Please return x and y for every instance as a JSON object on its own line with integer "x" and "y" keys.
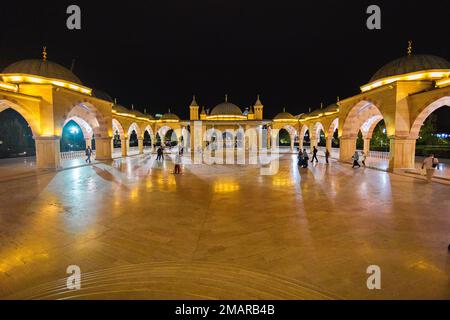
{"x": 226, "y": 109}
{"x": 284, "y": 116}
{"x": 42, "y": 68}
{"x": 410, "y": 63}
{"x": 170, "y": 116}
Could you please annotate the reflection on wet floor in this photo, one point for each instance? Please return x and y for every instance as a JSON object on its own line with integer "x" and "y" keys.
{"x": 309, "y": 226}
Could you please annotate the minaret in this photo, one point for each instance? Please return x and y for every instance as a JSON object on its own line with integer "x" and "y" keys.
{"x": 258, "y": 109}
{"x": 251, "y": 114}
{"x": 203, "y": 114}
{"x": 193, "y": 108}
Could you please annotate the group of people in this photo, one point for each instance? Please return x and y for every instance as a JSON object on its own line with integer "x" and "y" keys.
{"x": 178, "y": 158}
{"x": 356, "y": 157}
{"x": 303, "y": 157}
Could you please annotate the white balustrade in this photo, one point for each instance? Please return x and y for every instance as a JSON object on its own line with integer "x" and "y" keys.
{"x": 70, "y": 155}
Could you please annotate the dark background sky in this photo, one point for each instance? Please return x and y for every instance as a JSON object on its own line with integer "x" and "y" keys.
{"x": 156, "y": 54}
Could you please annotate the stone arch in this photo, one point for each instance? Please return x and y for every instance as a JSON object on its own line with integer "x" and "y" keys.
{"x": 303, "y": 131}
{"x": 362, "y": 115}
{"x": 332, "y": 128}
{"x": 90, "y": 114}
{"x": 135, "y": 127}
{"x": 315, "y": 134}
{"x": 423, "y": 115}
{"x": 149, "y": 130}
{"x": 162, "y": 131}
{"x": 117, "y": 126}
{"x": 85, "y": 127}
{"x": 32, "y": 120}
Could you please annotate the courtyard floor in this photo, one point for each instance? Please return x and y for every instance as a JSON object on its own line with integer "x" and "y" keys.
{"x": 223, "y": 231}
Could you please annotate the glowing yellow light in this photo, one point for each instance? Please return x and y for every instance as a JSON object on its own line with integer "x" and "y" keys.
{"x": 168, "y": 120}
{"x": 443, "y": 82}
{"x": 285, "y": 120}
{"x": 8, "y": 86}
{"x": 226, "y": 117}
{"x": 225, "y": 187}
{"x": 23, "y": 78}
{"x": 420, "y": 75}
{"x": 282, "y": 182}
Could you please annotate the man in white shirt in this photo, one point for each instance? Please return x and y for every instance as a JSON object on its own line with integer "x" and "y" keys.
{"x": 429, "y": 163}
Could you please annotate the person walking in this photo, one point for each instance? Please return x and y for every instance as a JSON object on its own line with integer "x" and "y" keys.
{"x": 355, "y": 158}
{"x": 363, "y": 158}
{"x": 429, "y": 164}
{"x": 159, "y": 153}
{"x": 88, "y": 154}
{"x": 327, "y": 155}
{"x": 314, "y": 154}
{"x": 178, "y": 162}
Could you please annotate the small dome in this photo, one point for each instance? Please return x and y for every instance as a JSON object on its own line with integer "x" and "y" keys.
{"x": 412, "y": 63}
{"x": 331, "y": 108}
{"x": 102, "y": 95}
{"x": 170, "y": 116}
{"x": 284, "y": 116}
{"x": 42, "y": 68}
{"x": 226, "y": 109}
{"x": 316, "y": 112}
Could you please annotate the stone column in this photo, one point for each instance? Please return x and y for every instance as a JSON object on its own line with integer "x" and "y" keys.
{"x": 347, "y": 148}
{"x": 47, "y": 152}
{"x": 292, "y": 142}
{"x": 103, "y": 148}
{"x": 141, "y": 145}
{"x": 402, "y": 153}
{"x": 88, "y": 142}
{"x": 328, "y": 145}
{"x": 124, "y": 146}
{"x": 366, "y": 148}
{"x": 313, "y": 142}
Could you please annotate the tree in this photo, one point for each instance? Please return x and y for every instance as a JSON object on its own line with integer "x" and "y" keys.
{"x": 379, "y": 140}
{"x": 428, "y": 131}
{"x": 15, "y": 135}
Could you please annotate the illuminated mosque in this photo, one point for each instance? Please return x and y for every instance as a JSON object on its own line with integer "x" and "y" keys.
{"x": 402, "y": 93}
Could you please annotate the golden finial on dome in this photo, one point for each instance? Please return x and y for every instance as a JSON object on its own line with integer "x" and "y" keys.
{"x": 44, "y": 53}
{"x": 409, "y": 47}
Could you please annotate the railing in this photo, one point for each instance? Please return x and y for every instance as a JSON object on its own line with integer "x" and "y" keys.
{"x": 70, "y": 155}
{"x": 379, "y": 155}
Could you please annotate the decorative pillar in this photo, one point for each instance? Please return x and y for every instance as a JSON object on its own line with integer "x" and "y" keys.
{"x": 124, "y": 146}
{"x": 402, "y": 153}
{"x": 347, "y": 148}
{"x": 366, "y": 148}
{"x": 141, "y": 145}
{"x": 313, "y": 142}
{"x": 88, "y": 142}
{"x": 292, "y": 142}
{"x": 47, "y": 152}
{"x": 328, "y": 145}
{"x": 103, "y": 148}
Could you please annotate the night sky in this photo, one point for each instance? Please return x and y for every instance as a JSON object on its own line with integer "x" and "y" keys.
{"x": 156, "y": 54}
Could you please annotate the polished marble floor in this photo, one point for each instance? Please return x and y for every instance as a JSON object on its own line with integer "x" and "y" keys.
{"x": 223, "y": 231}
